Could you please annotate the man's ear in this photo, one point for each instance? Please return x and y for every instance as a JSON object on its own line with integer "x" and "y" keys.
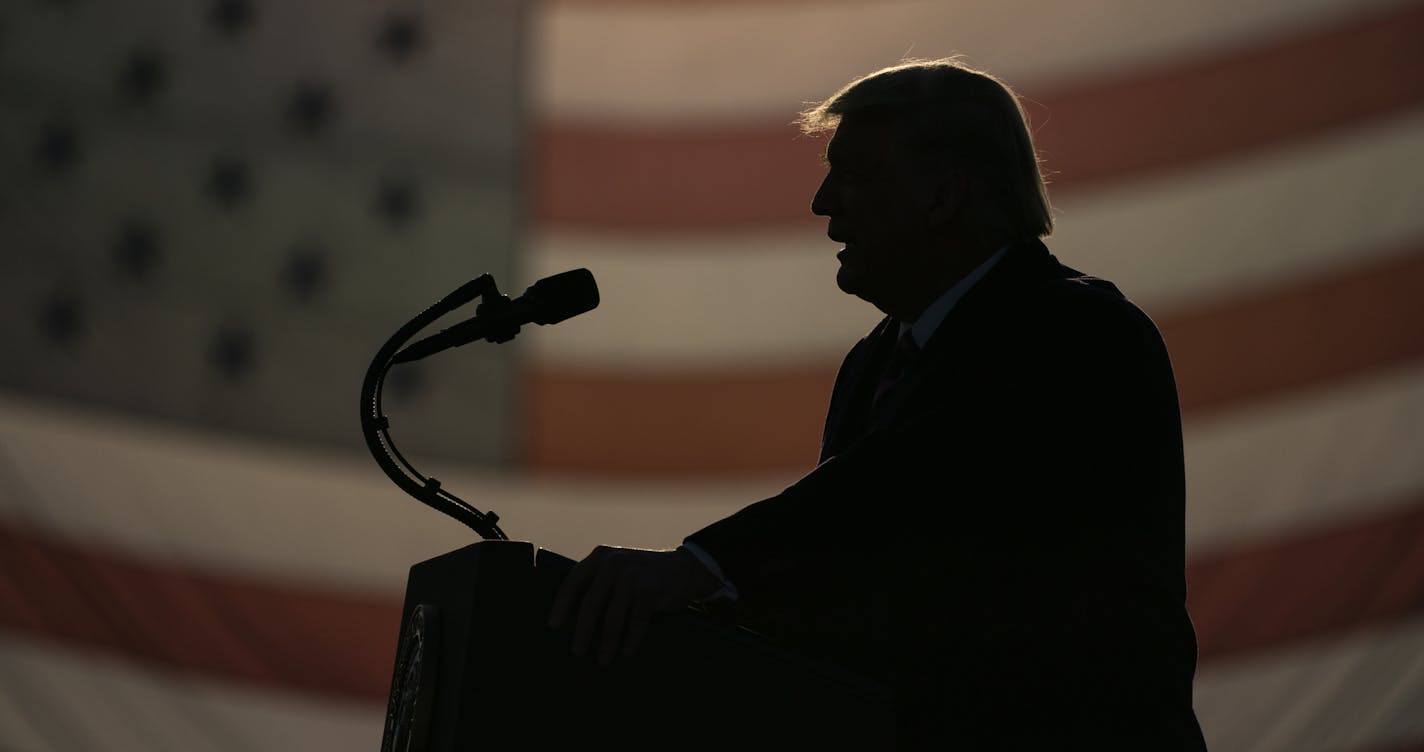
{"x": 949, "y": 198}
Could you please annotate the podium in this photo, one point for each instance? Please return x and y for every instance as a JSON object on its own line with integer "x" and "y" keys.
{"x": 478, "y": 668}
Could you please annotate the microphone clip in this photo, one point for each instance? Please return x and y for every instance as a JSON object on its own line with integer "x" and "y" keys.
{"x": 494, "y": 308}
{"x": 491, "y": 321}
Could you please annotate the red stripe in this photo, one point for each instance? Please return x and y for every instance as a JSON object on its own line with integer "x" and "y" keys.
{"x": 321, "y": 642}
{"x": 1114, "y": 128}
{"x": 1264, "y": 344}
{"x": 1343, "y": 577}
{"x": 1313, "y": 332}
{"x": 664, "y": 3}
{"x": 1295, "y": 88}
{"x": 264, "y": 633}
{"x": 1415, "y": 746}
{"x": 669, "y": 424}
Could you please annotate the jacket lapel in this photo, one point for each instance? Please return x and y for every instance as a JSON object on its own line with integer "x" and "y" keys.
{"x": 849, "y": 415}
{"x": 973, "y": 316}
{"x": 849, "y": 410}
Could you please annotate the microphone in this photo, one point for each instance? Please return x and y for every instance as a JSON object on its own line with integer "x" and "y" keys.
{"x": 548, "y": 301}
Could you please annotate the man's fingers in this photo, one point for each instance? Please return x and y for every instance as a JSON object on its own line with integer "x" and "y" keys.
{"x": 637, "y": 627}
{"x": 595, "y": 602}
{"x": 613, "y": 619}
{"x": 617, "y": 591}
{"x": 569, "y": 592}
{"x": 572, "y": 588}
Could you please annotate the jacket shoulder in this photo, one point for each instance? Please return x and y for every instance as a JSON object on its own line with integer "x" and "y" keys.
{"x": 1090, "y": 306}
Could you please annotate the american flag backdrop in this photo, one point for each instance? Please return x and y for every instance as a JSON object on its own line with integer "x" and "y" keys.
{"x": 213, "y": 213}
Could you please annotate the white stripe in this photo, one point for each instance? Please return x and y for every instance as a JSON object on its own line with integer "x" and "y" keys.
{"x": 723, "y": 300}
{"x": 704, "y": 302}
{"x": 706, "y": 61}
{"x": 1287, "y": 465}
{"x": 224, "y": 504}
{"x": 55, "y": 700}
{"x": 234, "y": 505}
{"x": 1261, "y": 220}
{"x": 1362, "y": 692}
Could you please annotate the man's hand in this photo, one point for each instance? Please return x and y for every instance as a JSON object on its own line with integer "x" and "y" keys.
{"x": 622, "y": 588}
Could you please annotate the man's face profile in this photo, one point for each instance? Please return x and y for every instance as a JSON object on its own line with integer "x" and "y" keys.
{"x": 875, "y": 196}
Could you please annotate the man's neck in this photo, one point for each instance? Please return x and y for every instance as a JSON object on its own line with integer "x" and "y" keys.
{"x": 957, "y": 264}
{"x": 927, "y": 323}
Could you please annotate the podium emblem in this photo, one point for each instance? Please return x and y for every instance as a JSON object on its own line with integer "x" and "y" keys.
{"x": 413, "y": 682}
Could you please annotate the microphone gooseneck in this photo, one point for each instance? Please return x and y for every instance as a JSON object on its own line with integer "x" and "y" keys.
{"x": 497, "y": 319}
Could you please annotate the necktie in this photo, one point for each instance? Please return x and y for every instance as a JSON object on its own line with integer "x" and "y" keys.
{"x": 904, "y": 355}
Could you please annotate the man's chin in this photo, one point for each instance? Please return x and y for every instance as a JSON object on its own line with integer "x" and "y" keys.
{"x": 851, "y": 284}
{"x": 846, "y": 280}
{"x": 850, "y": 277}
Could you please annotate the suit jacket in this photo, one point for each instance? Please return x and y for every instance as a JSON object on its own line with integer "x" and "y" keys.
{"x": 1001, "y": 540}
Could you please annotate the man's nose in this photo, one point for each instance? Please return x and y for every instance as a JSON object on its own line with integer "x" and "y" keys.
{"x": 823, "y": 204}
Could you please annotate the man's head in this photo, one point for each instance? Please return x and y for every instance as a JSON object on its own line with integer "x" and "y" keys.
{"x": 932, "y": 169}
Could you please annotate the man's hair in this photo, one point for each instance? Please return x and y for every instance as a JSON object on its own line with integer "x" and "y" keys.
{"x": 964, "y": 118}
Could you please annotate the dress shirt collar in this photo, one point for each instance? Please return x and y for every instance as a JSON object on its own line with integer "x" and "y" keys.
{"x": 924, "y": 327}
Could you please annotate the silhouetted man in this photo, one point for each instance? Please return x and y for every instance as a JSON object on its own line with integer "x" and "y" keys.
{"x": 995, "y": 528}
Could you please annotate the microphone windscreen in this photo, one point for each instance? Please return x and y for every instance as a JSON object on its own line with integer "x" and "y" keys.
{"x": 562, "y": 296}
